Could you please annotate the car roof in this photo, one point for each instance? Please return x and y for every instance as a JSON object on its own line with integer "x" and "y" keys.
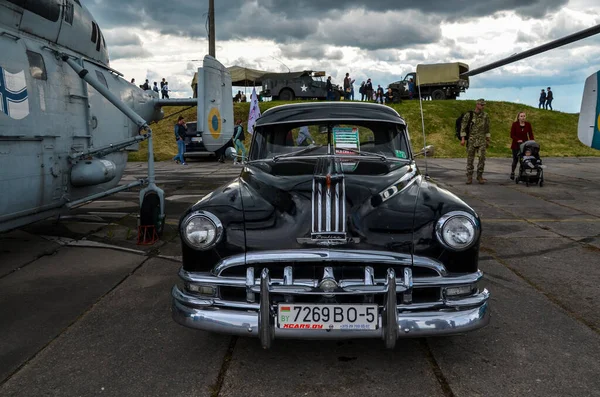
{"x": 323, "y": 111}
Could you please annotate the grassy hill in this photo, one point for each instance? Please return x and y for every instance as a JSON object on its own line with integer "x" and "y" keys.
{"x": 556, "y": 132}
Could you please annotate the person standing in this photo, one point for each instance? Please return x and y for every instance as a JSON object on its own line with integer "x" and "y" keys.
{"x": 520, "y": 132}
{"x": 369, "y": 90}
{"x": 180, "y": 135}
{"x": 238, "y": 139}
{"x": 549, "y": 98}
{"x": 542, "y": 104}
{"x": 329, "y": 89}
{"x": 477, "y": 141}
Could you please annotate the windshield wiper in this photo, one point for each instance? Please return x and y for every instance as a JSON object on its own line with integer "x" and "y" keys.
{"x": 368, "y": 154}
{"x": 305, "y": 150}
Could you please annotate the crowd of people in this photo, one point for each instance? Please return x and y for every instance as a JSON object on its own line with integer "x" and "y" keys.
{"x": 164, "y": 87}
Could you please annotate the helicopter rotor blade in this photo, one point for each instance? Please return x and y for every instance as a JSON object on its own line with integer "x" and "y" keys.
{"x": 534, "y": 51}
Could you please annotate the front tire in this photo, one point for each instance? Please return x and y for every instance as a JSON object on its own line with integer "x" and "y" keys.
{"x": 286, "y": 95}
{"x": 150, "y": 213}
{"x": 438, "y": 95}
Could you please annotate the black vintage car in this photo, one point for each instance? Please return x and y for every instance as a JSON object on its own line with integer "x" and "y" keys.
{"x": 339, "y": 238}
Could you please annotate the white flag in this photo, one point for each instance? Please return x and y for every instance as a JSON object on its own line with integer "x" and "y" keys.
{"x": 254, "y": 111}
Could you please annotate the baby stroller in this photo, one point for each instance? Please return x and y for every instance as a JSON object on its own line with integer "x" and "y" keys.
{"x": 531, "y": 169}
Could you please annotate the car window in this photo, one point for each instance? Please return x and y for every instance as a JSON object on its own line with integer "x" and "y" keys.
{"x": 378, "y": 138}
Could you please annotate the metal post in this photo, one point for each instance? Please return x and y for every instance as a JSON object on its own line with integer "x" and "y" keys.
{"x": 112, "y": 98}
{"x": 211, "y": 28}
{"x": 151, "y": 177}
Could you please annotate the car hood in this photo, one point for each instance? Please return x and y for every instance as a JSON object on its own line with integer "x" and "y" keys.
{"x": 326, "y": 203}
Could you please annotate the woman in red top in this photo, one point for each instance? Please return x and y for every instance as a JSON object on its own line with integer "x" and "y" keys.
{"x": 520, "y": 132}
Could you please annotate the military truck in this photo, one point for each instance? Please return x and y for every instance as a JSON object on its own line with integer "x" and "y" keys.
{"x": 306, "y": 84}
{"x": 437, "y": 81}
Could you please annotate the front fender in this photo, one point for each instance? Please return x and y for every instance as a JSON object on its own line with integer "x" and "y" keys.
{"x": 433, "y": 202}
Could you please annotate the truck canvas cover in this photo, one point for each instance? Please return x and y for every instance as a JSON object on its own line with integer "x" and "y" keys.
{"x": 441, "y": 73}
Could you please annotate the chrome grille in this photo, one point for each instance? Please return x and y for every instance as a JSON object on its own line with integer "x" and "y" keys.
{"x": 328, "y": 205}
{"x": 328, "y": 198}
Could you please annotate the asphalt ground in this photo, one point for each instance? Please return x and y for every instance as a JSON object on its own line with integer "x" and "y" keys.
{"x": 86, "y": 311}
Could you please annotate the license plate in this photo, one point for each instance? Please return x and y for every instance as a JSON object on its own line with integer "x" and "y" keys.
{"x": 310, "y": 316}
{"x": 197, "y": 139}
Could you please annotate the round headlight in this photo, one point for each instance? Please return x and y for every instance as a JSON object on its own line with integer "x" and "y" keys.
{"x": 457, "y": 230}
{"x": 201, "y": 230}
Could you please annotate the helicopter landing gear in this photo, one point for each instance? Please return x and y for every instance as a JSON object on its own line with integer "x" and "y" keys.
{"x": 152, "y": 215}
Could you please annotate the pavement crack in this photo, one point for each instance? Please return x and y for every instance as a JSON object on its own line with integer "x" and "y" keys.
{"x": 216, "y": 389}
{"x": 43, "y": 254}
{"x": 437, "y": 371}
{"x": 72, "y": 323}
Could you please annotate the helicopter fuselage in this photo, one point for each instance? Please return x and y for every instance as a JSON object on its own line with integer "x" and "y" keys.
{"x": 48, "y": 112}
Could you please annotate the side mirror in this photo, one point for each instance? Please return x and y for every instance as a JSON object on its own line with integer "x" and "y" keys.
{"x": 230, "y": 153}
{"x": 323, "y": 129}
{"x": 427, "y": 150}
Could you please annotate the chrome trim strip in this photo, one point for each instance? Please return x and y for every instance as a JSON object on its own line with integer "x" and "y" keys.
{"x": 369, "y": 276}
{"x": 332, "y": 255}
{"x": 337, "y": 206}
{"x": 319, "y": 208}
{"x": 408, "y": 282}
{"x": 328, "y": 273}
{"x": 313, "y": 207}
{"x": 390, "y": 311}
{"x": 419, "y": 282}
{"x": 265, "y": 317}
{"x": 288, "y": 276}
{"x": 344, "y": 206}
{"x": 246, "y": 323}
{"x": 325, "y": 255}
{"x": 455, "y": 303}
{"x": 328, "y": 199}
{"x": 250, "y": 282}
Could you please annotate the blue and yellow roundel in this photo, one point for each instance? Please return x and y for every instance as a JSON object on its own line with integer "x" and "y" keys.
{"x": 214, "y": 122}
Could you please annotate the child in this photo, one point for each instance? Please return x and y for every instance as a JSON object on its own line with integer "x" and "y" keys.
{"x": 529, "y": 161}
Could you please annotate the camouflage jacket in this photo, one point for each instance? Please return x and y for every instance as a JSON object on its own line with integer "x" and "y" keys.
{"x": 480, "y": 128}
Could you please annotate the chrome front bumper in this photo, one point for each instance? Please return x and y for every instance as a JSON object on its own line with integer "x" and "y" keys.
{"x": 257, "y": 317}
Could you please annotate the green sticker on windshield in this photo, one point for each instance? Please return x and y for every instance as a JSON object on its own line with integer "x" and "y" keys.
{"x": 400, "y": 154}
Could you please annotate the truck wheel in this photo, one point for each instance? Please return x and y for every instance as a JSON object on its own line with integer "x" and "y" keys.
{"x": 438, "y": 95}
{"x": 286, "y": 95}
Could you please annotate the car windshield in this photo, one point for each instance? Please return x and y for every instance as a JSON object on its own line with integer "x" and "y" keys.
{"x": 369, "y": 139}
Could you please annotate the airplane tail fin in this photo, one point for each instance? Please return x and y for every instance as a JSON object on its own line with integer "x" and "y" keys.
{"x": 588, "y": 130}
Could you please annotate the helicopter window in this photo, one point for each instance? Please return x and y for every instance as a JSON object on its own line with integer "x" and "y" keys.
{"x": 99, "y": 39}
{"x": 37, "y": 68}
{"x": 45, "y": 9}
{"x": 68, "y": 15}
{"x": 94, "y": 32}
{"x": 101, "y": 78}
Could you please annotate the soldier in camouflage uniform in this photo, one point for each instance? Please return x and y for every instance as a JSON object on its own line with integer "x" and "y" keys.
{"x": 479, "y": 140}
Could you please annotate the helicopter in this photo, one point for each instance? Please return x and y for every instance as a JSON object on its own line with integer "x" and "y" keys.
{"x": 67, "y": 119}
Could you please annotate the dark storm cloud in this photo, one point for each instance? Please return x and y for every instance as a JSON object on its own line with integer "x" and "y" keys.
{"x": 452, "y": 9}
{"x": 393, "y": 24}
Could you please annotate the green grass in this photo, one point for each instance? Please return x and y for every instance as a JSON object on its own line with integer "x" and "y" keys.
{"x": 556, "y": 132}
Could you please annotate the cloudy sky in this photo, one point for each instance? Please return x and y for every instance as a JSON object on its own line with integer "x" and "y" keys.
{"x": 380, "y": 39}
